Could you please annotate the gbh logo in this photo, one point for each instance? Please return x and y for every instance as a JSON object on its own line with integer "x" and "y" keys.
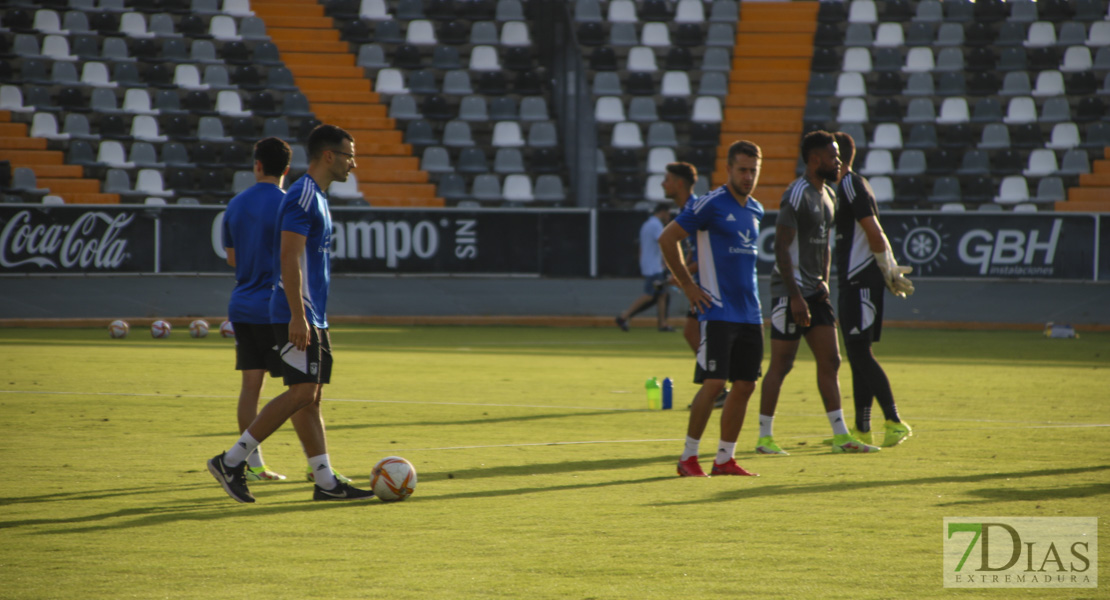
{"x": 1021, "y": 552}
{"x": 1010, "y": 251}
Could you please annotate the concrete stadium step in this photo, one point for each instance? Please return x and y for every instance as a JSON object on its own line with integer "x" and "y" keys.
{"x": 59, "y": 171}
{"x": 22, "y": 143}
{"x": 1101, "y": 206}
{"x": 339, "y": 93}
{"x": 767, "y": 90}
{"x": 1088, "y": 194}
{"x": 62, "y": 187}
{"x": 424, "y": 191}
{"x": 80, "y": 198}
{"x": 278, "y": 34}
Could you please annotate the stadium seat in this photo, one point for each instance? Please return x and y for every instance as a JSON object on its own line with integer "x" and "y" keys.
{"x": 549, "y": 188}
{"x": 518, "y": 188}
{"x": 507, "y": 134}
{"x": 853, "y": 110}
{"x": 862, "y": 11}
{"x": 472, "y": 161}
{"x": 946, "y": 189}
{"x": 457, "y": 134}
{"x": 457, "y": 83}
{"x": 641, "y": 58}
{"x": 1021, "y": 110}
{"x": 1075, "y": 162}
{"x": 858, "y": 34}
{"x": 111, "y": 154}
{"x": 642, "y": 110}
{"x": 1042, "y": 162}
{"x": 1055, "y": 110}
{"x": 1050, "y": 189}
{"x": 887, "y": 136}
{"x": 508, "y": 160}
{"x": 1016, "y": 83}
{"x": 149, "y": 182}
{"x": 911, "y": 162}
{"x": 1077, "y": 59}
{"x": 1040, "y": 34}
{"x": 451, "y": 187}
{"x": 850, "y": 84}
{"x": 878, "y": 162}
{"x": 995, "y": 136}
{"x": 920, "y": 110}
{"x": 1014, "y": 189}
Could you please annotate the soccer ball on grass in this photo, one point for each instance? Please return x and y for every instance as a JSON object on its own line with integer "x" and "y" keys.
{"x": 393, "y": 479}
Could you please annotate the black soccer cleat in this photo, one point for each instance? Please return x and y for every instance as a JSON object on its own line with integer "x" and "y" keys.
{"x": 343, "y": 491}
{"x": 622, "y": 323}
{"x": 233, "y": 479}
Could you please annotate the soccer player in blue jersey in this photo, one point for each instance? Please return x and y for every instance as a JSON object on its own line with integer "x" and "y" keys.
{"x": 298, "y": 311}
{"x": 865, "y": 266}
{"x": 248, "y": 238}
{"x": 800, "y": 293}
{"x": 726, "y": 225}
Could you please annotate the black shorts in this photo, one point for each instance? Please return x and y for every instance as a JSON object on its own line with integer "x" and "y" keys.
{"x": 255, "y": 348}
{"x": 313, "y": 365}
{"x": 782, "y": 320}
{"x": 861, "y": 311}
{"x": 729, "y": 351}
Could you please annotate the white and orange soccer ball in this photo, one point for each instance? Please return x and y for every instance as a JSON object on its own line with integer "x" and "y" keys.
{"x": 227, "y": 329}
{"x": 160, "y": 329}
{"x": 393, "y": 479}
{"x": 198, "y": 328}
{"x": 118, "y": 329}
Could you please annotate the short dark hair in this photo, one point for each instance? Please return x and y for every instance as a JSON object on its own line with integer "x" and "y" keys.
{"x": 847, "y": 147}
{"x": 325, "y": 137}
{"x": 684, "y": 170}
{"x": 274, "y": 154}
{"x": 744, "y": 147}
{"x": 814, "y": 140}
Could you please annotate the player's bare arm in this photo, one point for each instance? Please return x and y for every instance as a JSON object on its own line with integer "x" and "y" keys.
{"x": 784, "y": 236}
{"x": 230, "y": 256}
{"x": 292, "y": 247}
{"x": 670, "y": 243}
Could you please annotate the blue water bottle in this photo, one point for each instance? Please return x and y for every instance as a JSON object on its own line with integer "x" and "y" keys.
{"x": 668, "y": 393}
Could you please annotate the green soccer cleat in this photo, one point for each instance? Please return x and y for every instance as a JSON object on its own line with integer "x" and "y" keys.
{"x": 309, "y": 475}
{"x": 767, "y": 445}
{"x": 263, "y": 473}
{"x": 845, "y": 443}
{"x": 863, "y": 436}
{"x": 896, "y": 433}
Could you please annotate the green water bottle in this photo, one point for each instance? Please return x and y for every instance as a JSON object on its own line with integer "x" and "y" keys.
{"x": 654, "y": 393}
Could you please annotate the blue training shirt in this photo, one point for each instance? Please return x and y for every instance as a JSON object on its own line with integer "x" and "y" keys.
{"x": 304, "y": 211}
{"x": 248, "y": 228}
{"x": 727, "y": 245}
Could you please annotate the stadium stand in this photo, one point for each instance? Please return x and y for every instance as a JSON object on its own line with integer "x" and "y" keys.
{"x": 453, "y": 102}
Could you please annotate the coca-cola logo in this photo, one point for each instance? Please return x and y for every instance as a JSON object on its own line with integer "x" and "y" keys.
{"x": 92, "y": 240}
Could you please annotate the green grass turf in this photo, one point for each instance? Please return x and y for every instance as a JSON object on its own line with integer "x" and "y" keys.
{"x": 541, "y": 473}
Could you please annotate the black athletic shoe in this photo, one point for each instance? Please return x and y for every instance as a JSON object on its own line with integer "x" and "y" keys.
{"x": 622, "y": 323}
{"x": 233, "y": 479}
{"x": 343, "y": 491}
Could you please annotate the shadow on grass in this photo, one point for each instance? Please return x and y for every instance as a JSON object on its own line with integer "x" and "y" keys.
{"x": 990, "y": 495}
{"x": 490, "y": 421}
{"x": 221, "y": 507}
{"x": 860, "y": 486}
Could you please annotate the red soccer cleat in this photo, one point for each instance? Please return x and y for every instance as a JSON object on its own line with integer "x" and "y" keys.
{"x": 690, "y": 468}
{"x": 731, "y": 468}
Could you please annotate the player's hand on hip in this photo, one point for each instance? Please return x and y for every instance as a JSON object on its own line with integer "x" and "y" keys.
{"x": 699, "y": 299}
{"x": 298, "y": 333}
{"x": 800, "y": 310}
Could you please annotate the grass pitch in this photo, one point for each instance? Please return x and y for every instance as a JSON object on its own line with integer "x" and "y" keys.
{"x": 542, "y": 474}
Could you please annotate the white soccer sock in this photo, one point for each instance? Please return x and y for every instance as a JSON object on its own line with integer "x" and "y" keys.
{"x": 691, "y": 448}
{"x": 241, "y": 450}
{"x": 836, "y": 419}
{"x": 255, "y": 458}
{"x": 725, "y": 452}
{"x": 765, "y": 425}
{"x": 321, "y": 470}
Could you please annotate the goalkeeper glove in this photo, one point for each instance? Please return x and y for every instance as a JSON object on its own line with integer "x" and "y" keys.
{"x": 894, "y": 275}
